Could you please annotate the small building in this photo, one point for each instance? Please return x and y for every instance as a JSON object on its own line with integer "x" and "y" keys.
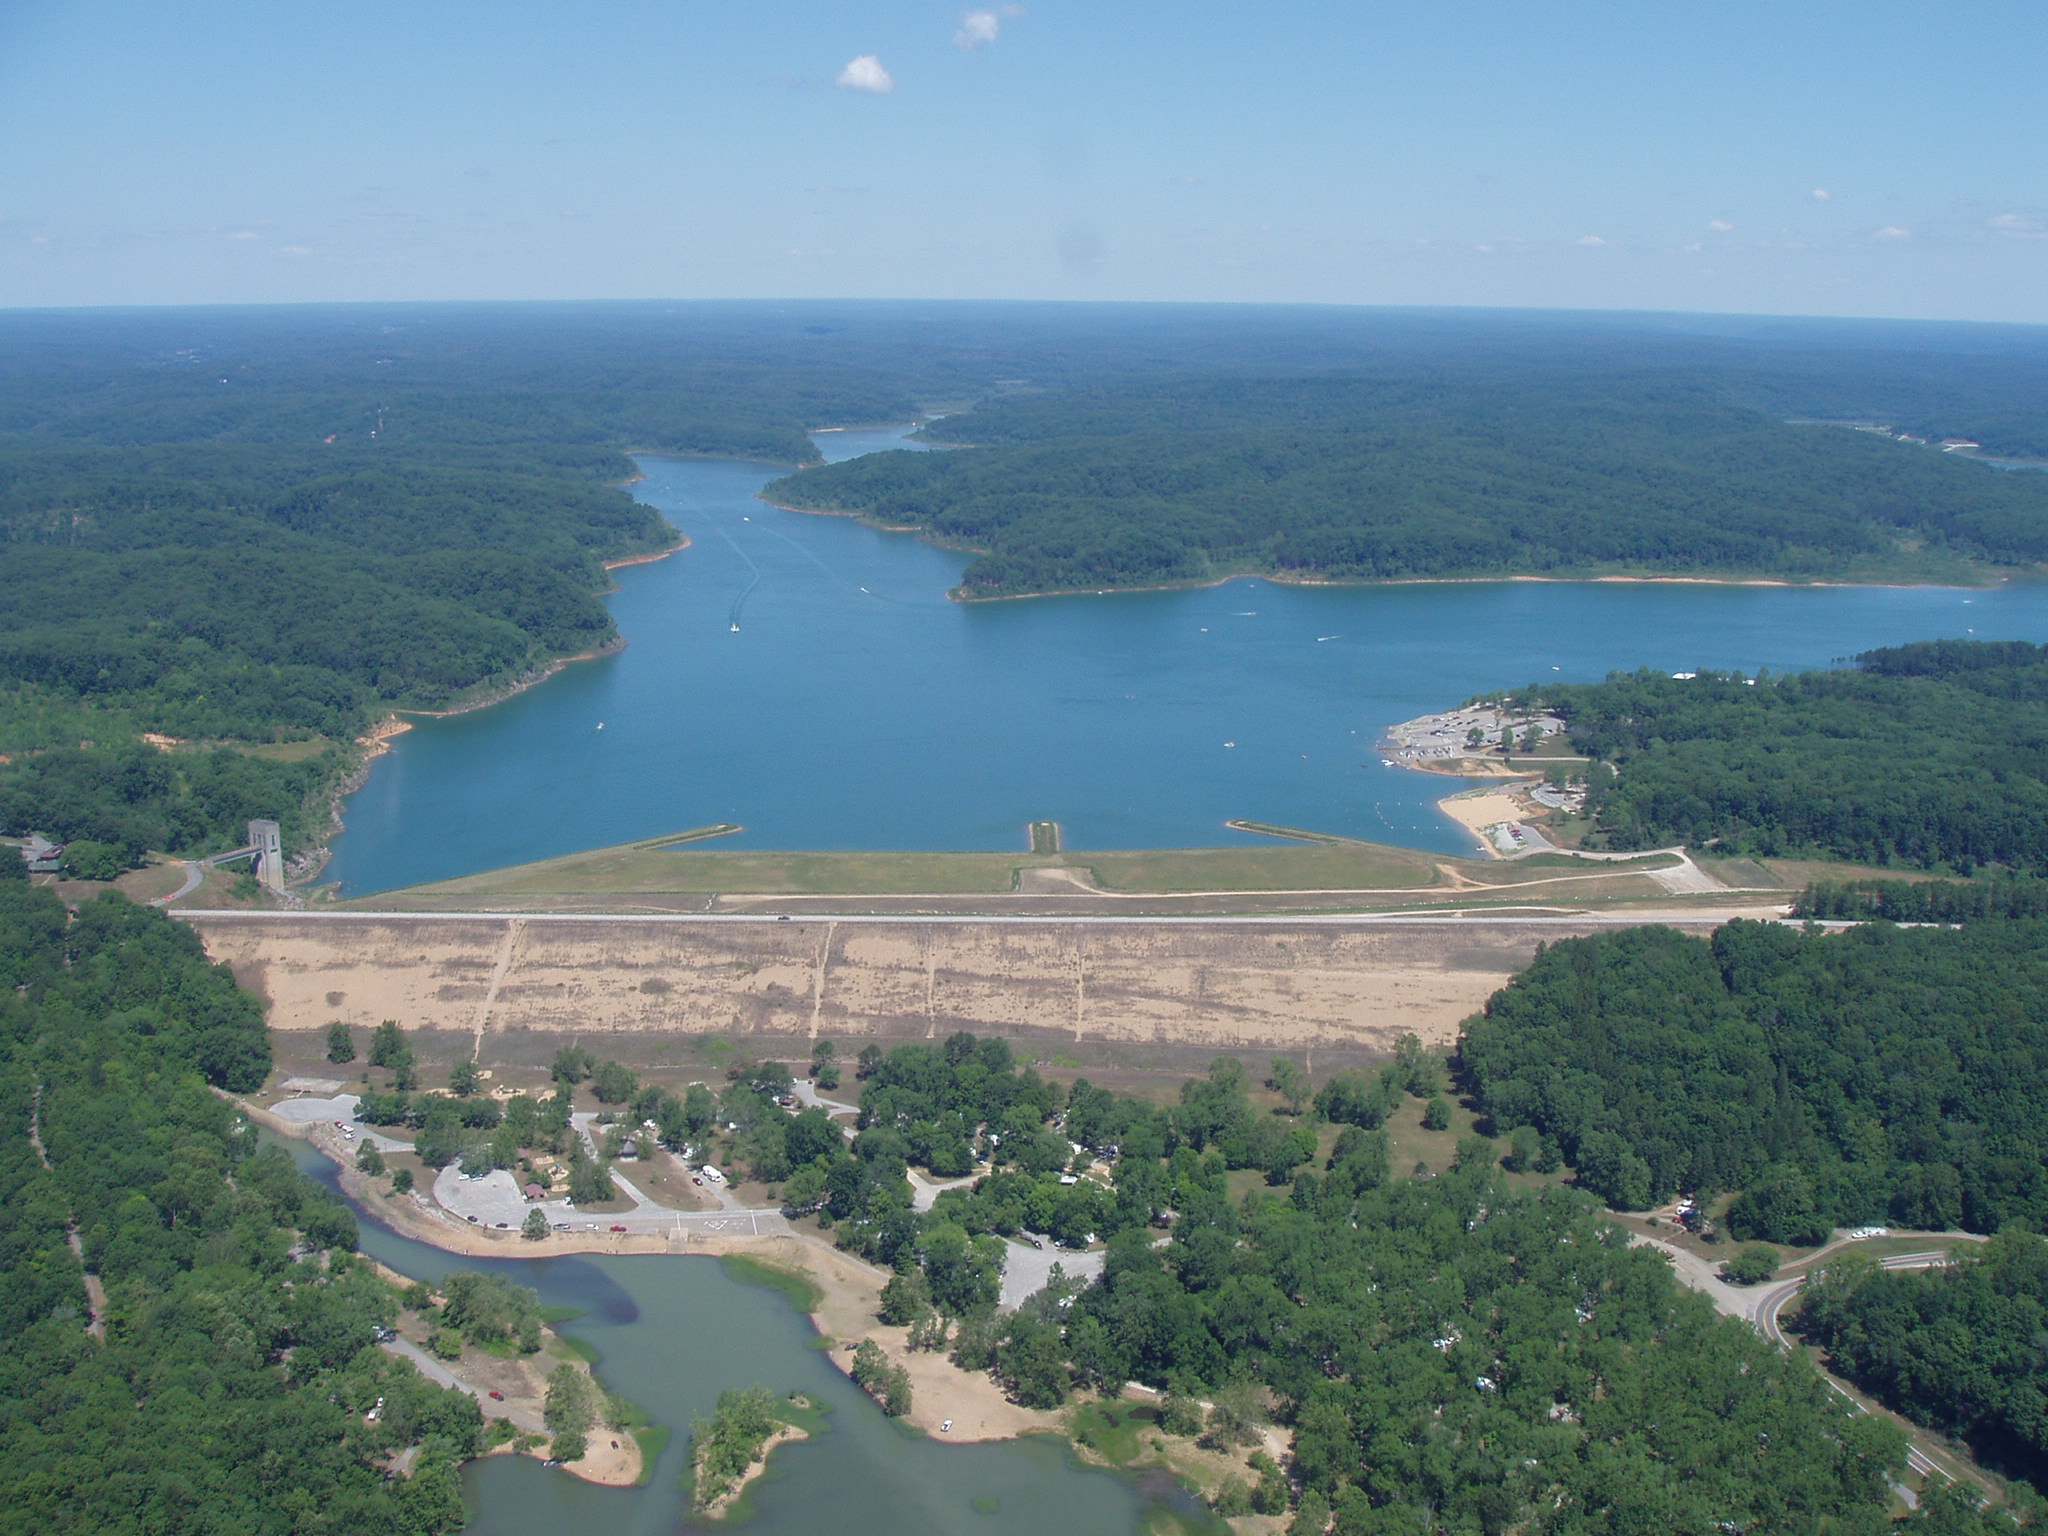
{"x": 42, "y": 856}
{"x": 535, "y": 1192}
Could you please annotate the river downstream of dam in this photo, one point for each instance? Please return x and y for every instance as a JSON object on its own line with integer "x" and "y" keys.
{"x": 808, "y": 679}
{"x": 672, "y": 1332}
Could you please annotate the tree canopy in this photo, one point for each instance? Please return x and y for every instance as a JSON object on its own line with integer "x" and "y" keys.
{"x": 1874, "y": 1074}
{"x": 1467, "y": 472}
{"x": 228, "y": 1384}
{"x": 1932, "y": 755}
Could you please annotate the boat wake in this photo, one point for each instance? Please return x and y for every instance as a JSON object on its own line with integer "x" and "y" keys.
{"x": 732, "y": 617}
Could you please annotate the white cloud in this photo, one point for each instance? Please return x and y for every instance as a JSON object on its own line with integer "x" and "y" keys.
{"x": 1720, "y": 226}
{"x": 1891, "y": 233}
{"x": 1821, "y": 195}
{"x": 866, "y": 74}
{"x": 1591, "y": 240}
{"x": 2019, "y": 224}
{"x": 979, "y": 28}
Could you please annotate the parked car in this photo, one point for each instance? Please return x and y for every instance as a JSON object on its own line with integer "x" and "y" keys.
{"x": 497, "y": 1397}
{"x": 618, "y": 1229}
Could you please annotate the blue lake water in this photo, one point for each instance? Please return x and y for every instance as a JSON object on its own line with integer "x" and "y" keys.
{"x": 856, "y": 707}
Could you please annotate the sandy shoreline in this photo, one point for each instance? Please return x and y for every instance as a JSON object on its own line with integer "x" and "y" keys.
{"x": 1476, "y": 810}
{"x": 682, "y": 543}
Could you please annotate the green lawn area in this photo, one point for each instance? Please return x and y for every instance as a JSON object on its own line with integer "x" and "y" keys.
{"x": 692, "y": 864}
{"x": 1328, "y": 866}
{"x": 637, "y": 867}
{"x": 1112, "y": 1429}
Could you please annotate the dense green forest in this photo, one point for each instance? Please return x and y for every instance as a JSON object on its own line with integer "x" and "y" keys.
{"x": 1933, "y": 755}
{"x": 1923, "y": 901}
{"x": 1876, "y": 1074}
{"x": 1466, "y": 475}
{"x": 226, "y": 1386}
{"x": 1955, "y": 1348}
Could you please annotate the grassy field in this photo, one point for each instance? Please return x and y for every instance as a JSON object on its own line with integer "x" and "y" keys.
{"x": 1320, "y": 866}
{"x": 652, "y": 868}
{"x": 682, "y": 870}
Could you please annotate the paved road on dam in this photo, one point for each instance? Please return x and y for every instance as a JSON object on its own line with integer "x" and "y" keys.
{"x": 1462, "y": 917}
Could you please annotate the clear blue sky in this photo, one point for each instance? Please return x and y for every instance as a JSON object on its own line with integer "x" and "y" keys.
{"x": 1794, "y": 156}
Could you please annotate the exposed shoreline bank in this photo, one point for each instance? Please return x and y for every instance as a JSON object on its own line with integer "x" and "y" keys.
{"x": 683, "y": 542}
{"x": 1286, "y": 579}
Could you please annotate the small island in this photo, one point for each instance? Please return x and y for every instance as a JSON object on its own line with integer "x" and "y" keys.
{"x": 730, "y": 1450}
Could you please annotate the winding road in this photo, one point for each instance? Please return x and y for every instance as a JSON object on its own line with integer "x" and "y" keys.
{"x": 1771, "y": 1303}
{"x": 1763, "y": 1307}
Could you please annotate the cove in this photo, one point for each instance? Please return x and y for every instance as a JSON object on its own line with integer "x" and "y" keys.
{"x": 674, "y": 1332}
{"x": 854, "y": 706}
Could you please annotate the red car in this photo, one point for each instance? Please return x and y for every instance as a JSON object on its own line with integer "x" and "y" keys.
{"x": 618, "y": 1229}
{"x": 497, "y": 1397}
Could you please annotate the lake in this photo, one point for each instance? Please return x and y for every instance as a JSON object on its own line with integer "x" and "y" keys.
{"x": 807, "y": 678}
{"x": 674, "y": 1332}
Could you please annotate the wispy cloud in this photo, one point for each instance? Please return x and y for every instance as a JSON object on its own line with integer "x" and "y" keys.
{"x": 978, "y": 29}
{"x": 866, "y": 74}
{"x": 1891, "y": 234}
{"x": 2019, "y": 226}
{"x": 1720, "y": 226}
{"x": 1821, "y": 195}
{"x": 1591, "y": 240}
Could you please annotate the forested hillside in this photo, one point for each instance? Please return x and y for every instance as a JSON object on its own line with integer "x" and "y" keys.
{"x": 1876, "y": 1074}
{"x": 225, "y": 1388}
{"x": 1932, "y": 755}
{"x": 1461, "y": 473}
{"x": 235, "y": 529}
